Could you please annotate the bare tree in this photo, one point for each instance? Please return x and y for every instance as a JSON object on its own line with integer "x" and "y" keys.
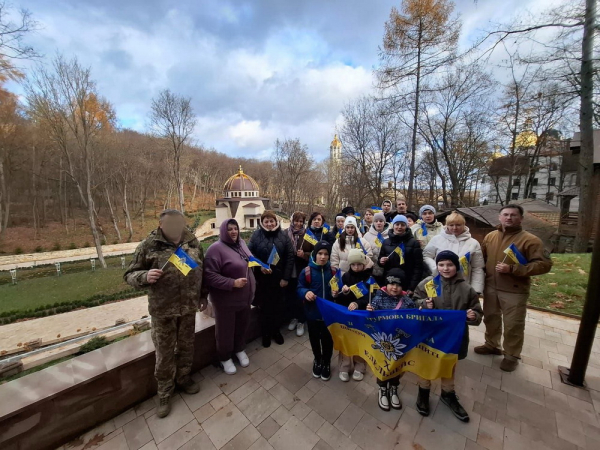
{"x": 172, "y": 118}
{"x": 293, "y": 164}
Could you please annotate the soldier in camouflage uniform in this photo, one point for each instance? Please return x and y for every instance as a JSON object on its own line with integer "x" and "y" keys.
{"x": 173, "y": 300}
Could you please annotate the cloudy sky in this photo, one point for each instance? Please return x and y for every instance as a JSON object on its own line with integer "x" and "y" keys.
{"x": 255, "y": 70}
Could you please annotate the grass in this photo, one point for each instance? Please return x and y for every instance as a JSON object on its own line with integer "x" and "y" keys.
{"x": 564, "y": 288}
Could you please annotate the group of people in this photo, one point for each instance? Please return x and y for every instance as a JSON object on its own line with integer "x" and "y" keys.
{"x": 401, "y": 251}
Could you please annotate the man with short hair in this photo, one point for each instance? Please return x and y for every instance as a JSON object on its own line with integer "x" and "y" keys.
{"x": 173, "y": 299}
{"x": 507, "y": 282}
{"x": 386, "y": 208}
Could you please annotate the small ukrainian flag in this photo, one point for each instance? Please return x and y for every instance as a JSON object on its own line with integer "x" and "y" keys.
{"x": 513, "y": 253}
{"x": 182, "y": 261}
{"x": 373, "y": 285}
{"x": 326, "y": 228}
{"x": 379, "y": 240}
{"x": 273, "y": 257}
{"x": 336, "y": 281}
{"x": 359, "y": 289}
{"x": 464, "y": 263}
{"x": 400, "y": 252}
{"x": 434, "y": 287}
{"x": 310, "y": 237}
{"x": 360, "y": 245}
{"x": 255, "y": 262}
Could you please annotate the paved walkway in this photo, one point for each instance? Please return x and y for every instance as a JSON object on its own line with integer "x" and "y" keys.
{"x": 275, "y": 403}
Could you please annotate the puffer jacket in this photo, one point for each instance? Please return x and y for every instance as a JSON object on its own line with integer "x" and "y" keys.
{"x": 339, "y": 258}
{"x": 383, "y": 300}
{"x": 320, "y": 276}
{"x": 433, "y": 229}
{"x": 262, "y": 242}
{"x": 461, "y": 245}
{"x": 413, "y": 257}
{"x": 458, "y": 295}
{"x": 174, "y": 294}
{"x": 370, "y": 237}
{"x": 351, "y": 278}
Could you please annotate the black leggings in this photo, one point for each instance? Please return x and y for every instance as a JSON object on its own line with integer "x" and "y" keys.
{"x": 320, "y": 340}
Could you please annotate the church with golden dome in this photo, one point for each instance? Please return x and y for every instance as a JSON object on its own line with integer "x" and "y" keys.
{"x": 241, "y": 201}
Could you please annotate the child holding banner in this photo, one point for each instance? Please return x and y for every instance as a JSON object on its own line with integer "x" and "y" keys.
{"x": 353, "y": 297}
{"x": 391, "y": 296}
{"x": 313, "y": 281}
{"x": 448, "y": 290}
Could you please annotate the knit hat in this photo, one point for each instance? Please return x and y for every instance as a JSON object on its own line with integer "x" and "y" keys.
{"x": 395, "y": 276}
{"x": 357, "y": 256}
{"x": 412, "y": 216}
{"x": 340, "y": 216}
{"x": 321, "y": 245}
{"x": 399, "y": 218}
{"x": 447, "y": 255}
{"x": 378, "y": 216}
{"x": 350, "y": 221}
{"x": 348, "y": 210}
{"x": 268, "y": 213}
{"x": 426, "y": 208}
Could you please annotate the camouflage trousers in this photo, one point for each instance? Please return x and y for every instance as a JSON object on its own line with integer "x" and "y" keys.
{"x": 173, "y": 339}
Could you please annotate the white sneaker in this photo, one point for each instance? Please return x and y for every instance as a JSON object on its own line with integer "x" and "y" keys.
{"x": 344, "y": 376}
{"x": 300, "y": 329}
{"x": 293, "y": 324}
{"x": 243, "y": 358}
{"x": 357, "y": 375}
{"x": 228, "y": 367}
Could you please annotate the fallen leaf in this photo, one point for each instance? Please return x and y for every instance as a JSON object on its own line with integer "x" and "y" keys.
{"x": 557, "y": 304}
{"x": 582, "y": 272}
{"x": 552, "y": 284}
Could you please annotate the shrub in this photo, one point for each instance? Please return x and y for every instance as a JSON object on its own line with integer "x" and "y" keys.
{"x": 86, "y": 244}
{"x": 56, "y": 247}
{"x": 38, "y": 249}
{"x": 18, "y": 251}
{"x": 93, "y": 344}
{"x": 72, "y": 246}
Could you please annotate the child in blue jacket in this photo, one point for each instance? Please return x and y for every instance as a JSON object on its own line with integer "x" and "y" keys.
{"x": 313, "y": 282}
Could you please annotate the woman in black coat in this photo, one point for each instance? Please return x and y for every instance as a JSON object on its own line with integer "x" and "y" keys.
{"x": 269, "y": 295}
{"x": 399, "y": 235}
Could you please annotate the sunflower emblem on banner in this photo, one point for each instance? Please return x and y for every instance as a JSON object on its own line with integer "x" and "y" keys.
{"x": 388, "y": 344}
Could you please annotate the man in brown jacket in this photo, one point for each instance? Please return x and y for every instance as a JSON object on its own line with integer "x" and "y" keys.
{"x": 173, "y": 299}
{"x": 507, "y": 285}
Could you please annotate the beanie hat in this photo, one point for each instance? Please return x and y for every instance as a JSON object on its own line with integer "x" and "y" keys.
{"x": 340, "y": 216}
{"x": 395, "y": 276}
{"x": 378, "y": 216}
{"x": 348, "y": 210}
{"x": 426, "y": 208}
{"x": 447, "y": 255}
{"x": 357, "y": 256}
{"x": 350, "y": 221}
{"x": 321, "y": 245}
{"x": 268, "y": 213}
{"x": 399, "y": 218}
{"x": 413, "y": 216}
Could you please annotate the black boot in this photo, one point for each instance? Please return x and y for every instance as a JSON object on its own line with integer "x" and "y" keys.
{"x": 266, "y": 340}
{"x": 317, "y": 368}
{"x": 423, "y": 402}
{"x": 451, "y": 400}
{"x": 277, "y": 337}
{"x": 325, "y": 370}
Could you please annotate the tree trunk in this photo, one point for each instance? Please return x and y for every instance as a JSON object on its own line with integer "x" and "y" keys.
{"x": 91, "y": 214}
{"x": 413, "y": 149}
{"x": 112, "y": 213}
{"x": 4, "y": 200}
{"x": 586, "y": 125}
{"x": 126, "y": 211}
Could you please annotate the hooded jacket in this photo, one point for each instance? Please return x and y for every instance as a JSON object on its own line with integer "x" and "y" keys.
{"x": 174, "y": 294}
{"x": 339, "y": 258}
{"x": 530, "y": 246}
{"x": 320, "y": 276}
{"x": 433, "y": 229}
{"x": 226, "y": 261}
{"x": 457, "y": 294}
{"x": 370, "y": 237}
{"x": 262, "y": 242}
{"x": 461, "y": 245}
{"x": 413, "y": 257}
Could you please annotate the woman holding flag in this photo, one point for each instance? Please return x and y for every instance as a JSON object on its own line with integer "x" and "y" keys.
{"x": 231, "y": 286}
{"x": 375, "y": 236}
{"x": 401, "y": 250}
{"x": 427, "y": 226}
{"x": 457, "y": 238}
{"x": 270, "y": 244}
{"x": 318, "y": 230}
{"x": 348, "y": 240}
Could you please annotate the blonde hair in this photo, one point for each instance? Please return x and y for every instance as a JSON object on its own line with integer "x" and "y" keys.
{"x": 456, "y": 218}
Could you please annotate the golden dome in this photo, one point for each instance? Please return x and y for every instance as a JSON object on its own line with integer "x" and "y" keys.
{"x": 526, "y": 138}
{"x": 241, "y": 182}
{"x": 336, "y": 142}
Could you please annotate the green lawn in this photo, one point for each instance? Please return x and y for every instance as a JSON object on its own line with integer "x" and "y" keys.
{"x": 563, "y": 289}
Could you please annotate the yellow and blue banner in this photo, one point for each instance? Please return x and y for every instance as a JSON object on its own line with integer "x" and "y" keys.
{"x": 359, "y": 289}
{"x": 273, "y": 257}
{"x": 360, "y": 245}
{"x": 434, "y": 287}
{"x": 424, "y": 342}
{"x": 255, "y": 262}
{"x": 182, "y": 261}
{"x": 464, "y": 262}
{"x": 379, "y": 240}
{"x": 400, "y": 252}
{"x": 513, "y": 253}
{"x": 310, "y": 237}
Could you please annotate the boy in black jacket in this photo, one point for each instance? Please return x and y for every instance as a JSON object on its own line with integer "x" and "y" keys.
{"x": 357, "y": 273}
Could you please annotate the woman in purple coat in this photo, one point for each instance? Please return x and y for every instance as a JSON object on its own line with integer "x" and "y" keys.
{"x": 231, "y": 286}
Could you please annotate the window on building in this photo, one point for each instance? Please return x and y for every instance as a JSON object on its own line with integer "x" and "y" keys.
{"x": 533, "y": 195}
{"x": 515, "y": 196}
{"x": 517, "y": 182}
{"x": 251, "y": 223}
{"x": 552, "y": 181}
{"x": 535, "y": 182}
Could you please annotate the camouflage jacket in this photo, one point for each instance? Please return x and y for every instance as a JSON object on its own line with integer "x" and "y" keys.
{"x": 173, "y": 294}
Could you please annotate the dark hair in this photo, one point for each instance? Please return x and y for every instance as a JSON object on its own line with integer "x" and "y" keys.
{"x": 313, "y": 215}
{"x": 387, "y": 201}
{"x": 299, "y": 215}
{"x": 342, "y": 239}
{"x": 412, "y": 216}
{"x": 513, "y": 206}
{"x": 169, "y": 212}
